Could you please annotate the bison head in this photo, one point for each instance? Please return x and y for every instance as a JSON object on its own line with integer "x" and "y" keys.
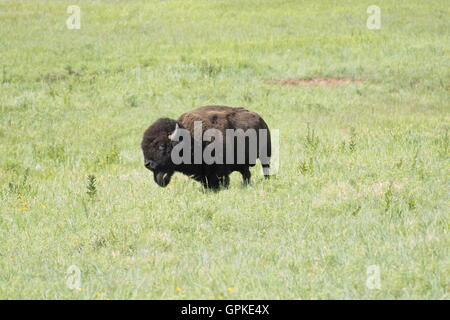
{"x": 157, "y": 147}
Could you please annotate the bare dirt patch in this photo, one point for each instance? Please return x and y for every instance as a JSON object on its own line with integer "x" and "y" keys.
{"x": 315, "y": 82}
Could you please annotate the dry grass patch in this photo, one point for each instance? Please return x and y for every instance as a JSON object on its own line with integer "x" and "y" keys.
{"x": 316, "y": 82}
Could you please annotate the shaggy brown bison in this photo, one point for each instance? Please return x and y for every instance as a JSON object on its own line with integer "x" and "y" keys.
{"x": 207, "y": 144}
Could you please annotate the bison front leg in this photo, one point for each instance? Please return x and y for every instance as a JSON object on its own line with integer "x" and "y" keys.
{"x": 213, "y": 182}
{"x": 224, "y": 181}
{"x": 204, "y": 182}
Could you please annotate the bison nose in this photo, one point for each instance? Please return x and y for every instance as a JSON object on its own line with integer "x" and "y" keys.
{"x": 149, "y": 164}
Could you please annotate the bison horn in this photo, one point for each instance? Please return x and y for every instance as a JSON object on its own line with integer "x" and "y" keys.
{"x": 174, "y": 134}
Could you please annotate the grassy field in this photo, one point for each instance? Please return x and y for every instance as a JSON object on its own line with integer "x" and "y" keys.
{"x": 364, "y": 167}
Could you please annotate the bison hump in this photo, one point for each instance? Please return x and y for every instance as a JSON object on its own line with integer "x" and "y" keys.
{"x": 221, "y": 118}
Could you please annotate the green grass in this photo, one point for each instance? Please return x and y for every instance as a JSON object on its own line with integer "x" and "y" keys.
{"x": 363, "y": 179}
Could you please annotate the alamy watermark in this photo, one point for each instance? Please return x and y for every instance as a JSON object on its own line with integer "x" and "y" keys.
{"x": 374, "y": 19}
{"x": 373, "y": 280}
{"x": 235, "y": 147}
{"x": 73, "y": 277}
{"x": 74, "y": 19}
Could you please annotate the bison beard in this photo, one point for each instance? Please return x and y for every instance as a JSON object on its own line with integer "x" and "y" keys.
{"x": 162, "y": 178}
{"x": 158, "y": 142}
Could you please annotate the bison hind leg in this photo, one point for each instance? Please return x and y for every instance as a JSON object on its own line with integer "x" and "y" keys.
{"x": 245, "y": 171}
{"x": 212, "y": 182}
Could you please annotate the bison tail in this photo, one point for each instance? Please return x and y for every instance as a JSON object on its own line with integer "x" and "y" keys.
{"x": 266, "y": 170}
{"x": 265, "y": 149}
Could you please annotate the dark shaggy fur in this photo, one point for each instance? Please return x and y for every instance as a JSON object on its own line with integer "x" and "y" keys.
{"x": 157, "y": 146}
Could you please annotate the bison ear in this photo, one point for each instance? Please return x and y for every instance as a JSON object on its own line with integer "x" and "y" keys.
{"x": 174, "y": 134}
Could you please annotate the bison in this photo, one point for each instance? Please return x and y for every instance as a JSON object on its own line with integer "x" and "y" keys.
{"x": 233, "y": 138}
